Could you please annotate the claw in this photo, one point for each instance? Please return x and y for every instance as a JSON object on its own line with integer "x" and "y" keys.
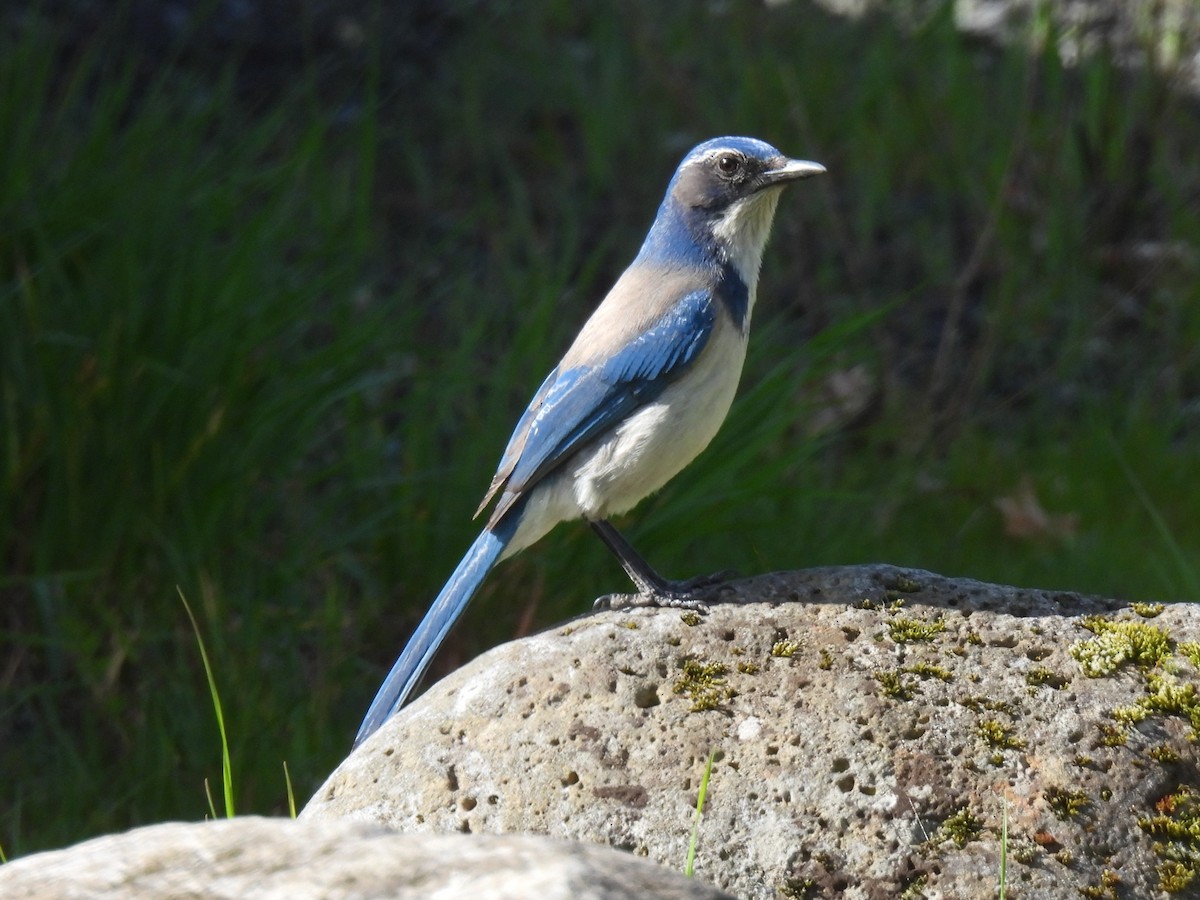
{"x": 691, "y": 594}
{"x": 605, "y": 601}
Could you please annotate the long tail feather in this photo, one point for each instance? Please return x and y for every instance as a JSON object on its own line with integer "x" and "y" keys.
{"x": 449, "y": 605}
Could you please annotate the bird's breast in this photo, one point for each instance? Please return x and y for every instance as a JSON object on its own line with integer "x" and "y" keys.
{"x": 650, "y": 447}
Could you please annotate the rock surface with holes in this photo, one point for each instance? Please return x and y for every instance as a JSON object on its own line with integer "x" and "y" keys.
{"x": 873, "y": 730}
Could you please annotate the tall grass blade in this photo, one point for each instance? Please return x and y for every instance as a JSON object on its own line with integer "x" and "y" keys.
{"x": 212, "y": 806}
{"x": 291, "y": 795}
{"x": 226, "y": 766}
{"x": 691, "y": 854}
{"x": 1003, "y": 848}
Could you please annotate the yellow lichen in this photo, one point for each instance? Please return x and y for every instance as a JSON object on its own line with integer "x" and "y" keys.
{"x": 785, "y": 648}
{"x": 1176, "y": 833}
{"x": 1066, "y": 804}
{"x": 1117, "y": 643}
{"x": 704, "y": 683}
{"x": 928, "y": 670}
{"x": 893, "y": 685}
{"x": 1043, "y": 676}
{"x": 1190, "y": 650}
{"x": 999, "y": 736}
{"x": 905, "y": 629}
{"x": 962, "y": 827}
{"x": 1106, "y": 889}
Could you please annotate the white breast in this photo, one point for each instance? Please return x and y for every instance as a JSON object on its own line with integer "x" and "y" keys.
{"x": 647, "y": 450}
{"x": 657, "y": 441}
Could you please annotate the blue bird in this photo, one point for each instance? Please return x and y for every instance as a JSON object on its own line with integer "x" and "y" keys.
{"x": 636, "y": 397}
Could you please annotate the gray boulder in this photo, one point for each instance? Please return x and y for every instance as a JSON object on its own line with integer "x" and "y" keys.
{"x": 287, "y": 860}
{"x": 877, "y": 732}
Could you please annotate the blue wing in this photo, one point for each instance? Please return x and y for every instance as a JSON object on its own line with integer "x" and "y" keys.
{"x": 571, "y": 408}
{"x": 575, "y": 406}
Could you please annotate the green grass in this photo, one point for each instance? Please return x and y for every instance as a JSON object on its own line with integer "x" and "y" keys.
{"x": 184, "y": 330}
{"x": 269, "y": 354}
{"x": 291, "y": 794}
{"x": 688, "y": 867}
{"x": 226, "y": 767}
{"x": 1002, "y": 878}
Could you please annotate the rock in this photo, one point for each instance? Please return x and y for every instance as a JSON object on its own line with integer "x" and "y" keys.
{"x": 875, "y": 731}
{"x": 280, "y": 858}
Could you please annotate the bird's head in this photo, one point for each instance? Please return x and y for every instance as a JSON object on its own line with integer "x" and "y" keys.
{"x": 724, "y": 194}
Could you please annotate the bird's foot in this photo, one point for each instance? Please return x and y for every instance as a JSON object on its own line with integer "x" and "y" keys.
{"x": 690, "y": 594}
{"x": 672, "y": 599}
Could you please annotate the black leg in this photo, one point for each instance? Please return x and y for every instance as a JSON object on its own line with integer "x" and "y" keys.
{"x": 652, "y": 588}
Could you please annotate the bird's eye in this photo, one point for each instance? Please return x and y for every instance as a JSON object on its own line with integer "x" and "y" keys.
{"x": 728, "y": 164}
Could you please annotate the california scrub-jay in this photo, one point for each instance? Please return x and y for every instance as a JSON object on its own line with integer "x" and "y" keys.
{"x": 637, "y": 396}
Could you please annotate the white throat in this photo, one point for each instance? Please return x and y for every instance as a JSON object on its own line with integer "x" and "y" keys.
{"x": 743, "y": 231}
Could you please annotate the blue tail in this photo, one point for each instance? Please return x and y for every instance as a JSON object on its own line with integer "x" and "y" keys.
{"x": 449, "y": 605}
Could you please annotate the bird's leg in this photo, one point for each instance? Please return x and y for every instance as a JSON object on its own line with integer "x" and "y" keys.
{"x": 652, "y": 588}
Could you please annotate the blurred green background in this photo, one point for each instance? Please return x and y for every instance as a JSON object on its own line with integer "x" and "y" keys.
{"x": 274, "y": 290}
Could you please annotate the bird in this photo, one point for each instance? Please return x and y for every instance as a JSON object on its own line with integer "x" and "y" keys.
{"x": 637, "y": 396}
